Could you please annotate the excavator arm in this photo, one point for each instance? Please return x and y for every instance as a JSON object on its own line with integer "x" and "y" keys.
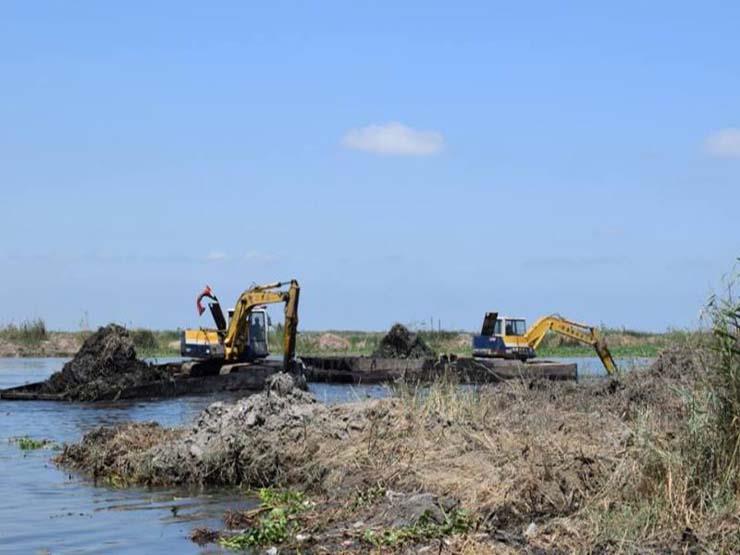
{"x": 580, "y": 332}
{"x": 236, "y": 336}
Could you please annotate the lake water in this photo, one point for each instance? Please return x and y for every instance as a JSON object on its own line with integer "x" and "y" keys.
{"x": 46, "y": 510}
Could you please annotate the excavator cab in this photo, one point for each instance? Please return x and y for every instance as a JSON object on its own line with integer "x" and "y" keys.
{"x": 258, "y": 328}
{"x": 199, "y": 343}
{"x": 502, "y": 337}
{"x": 205, "y": 343}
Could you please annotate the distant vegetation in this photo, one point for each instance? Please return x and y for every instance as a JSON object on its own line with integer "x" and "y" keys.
{"x": 31, "y": 338}
{"x": 150, "y": 343}
{"x": 32, "y": 335}
{"x": 622, "y": 342}
{"x": 28, "y": 332}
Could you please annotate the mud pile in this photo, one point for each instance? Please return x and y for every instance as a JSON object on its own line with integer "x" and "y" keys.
{"x": 399, "y": 342}
{"x": 104, "y": 366}
{"x": 657, "y": 388}
{"x": 681, "y": 362}
{"x": 246, "y": 442}
{"x": 259, "y": 440}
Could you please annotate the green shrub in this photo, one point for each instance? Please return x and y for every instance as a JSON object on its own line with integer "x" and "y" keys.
{"x": 723, "y": 457}
{"x": 144, "y": 340}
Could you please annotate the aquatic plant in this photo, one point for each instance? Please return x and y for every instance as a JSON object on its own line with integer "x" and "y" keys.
{"x": 457, "y": 521}
{"x": 28, "y": 444}
{"x": 276, "y": 525}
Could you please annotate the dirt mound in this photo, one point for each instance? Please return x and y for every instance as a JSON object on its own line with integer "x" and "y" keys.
{"x": 113, "y": 453}
{"x": 333, "y": 342}
{"x": 399, "y": 342}
{"x": 249, "y": 442}
{"x": 680, "y": 362}
{"x": 105, "y": 365}
{"x": 658, "y": 388}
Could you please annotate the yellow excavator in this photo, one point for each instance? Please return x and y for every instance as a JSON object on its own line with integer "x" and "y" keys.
{"x": 244, "y": 337}
{"x": 506, "y": 337}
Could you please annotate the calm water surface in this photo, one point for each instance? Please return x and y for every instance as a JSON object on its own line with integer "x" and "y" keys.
{"x": 46, "y": 510}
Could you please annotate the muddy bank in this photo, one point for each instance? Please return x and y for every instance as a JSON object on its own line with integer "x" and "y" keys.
{"x": 527, "y": 461}
{"x": 261, "y": 440}
{"x": 58, "y": 344}
{"x": 105, "y": 364}
{"x": 399, "y": 342}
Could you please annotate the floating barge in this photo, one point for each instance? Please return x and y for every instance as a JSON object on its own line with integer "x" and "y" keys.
{"x": 198, "y": 378}
{"x": 182, "y": 382}
{"x": 370, "y": 370}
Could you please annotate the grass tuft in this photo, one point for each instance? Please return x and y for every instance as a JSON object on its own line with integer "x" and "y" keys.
{"x": 28, "y": 332}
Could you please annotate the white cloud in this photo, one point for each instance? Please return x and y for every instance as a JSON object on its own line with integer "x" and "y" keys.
{"x": 724, "y": 143}
{"x": 216, "y": 255}
{"x": 394, "y": 139}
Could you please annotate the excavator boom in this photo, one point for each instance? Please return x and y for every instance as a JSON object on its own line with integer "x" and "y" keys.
{"x": 575, "y": 330}
{"x": 236, "y": 337}
{"x": 231, "y": 342}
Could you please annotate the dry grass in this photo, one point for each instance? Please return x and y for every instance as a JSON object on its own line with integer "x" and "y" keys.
{"x": 489, "y": 449}
{"x": 116, "y": 455}
{"x": 27, "y": 332}
{"x": 602, "y": 466}
{"x": 593, "y": 466}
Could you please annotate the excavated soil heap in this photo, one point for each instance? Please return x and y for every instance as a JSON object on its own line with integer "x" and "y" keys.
{"x": 399, "y": 342}
{"x": 249, "y": 442}
{"x": 104, "y": 366}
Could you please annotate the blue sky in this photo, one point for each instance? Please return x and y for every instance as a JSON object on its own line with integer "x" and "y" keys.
{"x": 402, "y": 160}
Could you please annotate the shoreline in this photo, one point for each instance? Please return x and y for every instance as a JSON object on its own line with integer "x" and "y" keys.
{"x": 535, "y": 466}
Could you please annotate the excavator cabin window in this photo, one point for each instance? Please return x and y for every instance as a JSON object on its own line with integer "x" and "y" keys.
{"x": 258, "y": 334}
{"x": 257, "y": 327}
{"x": 516, "y": 327}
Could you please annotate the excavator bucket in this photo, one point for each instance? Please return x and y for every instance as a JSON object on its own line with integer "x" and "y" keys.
{"x": 606, "y": 357}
